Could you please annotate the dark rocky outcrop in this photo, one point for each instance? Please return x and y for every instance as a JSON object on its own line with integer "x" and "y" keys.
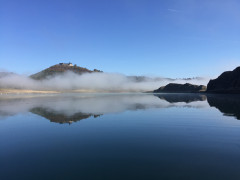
{"x": 180, "y": 88}
{"x": 59, "y": 69}
{"x": 227, "y": 82}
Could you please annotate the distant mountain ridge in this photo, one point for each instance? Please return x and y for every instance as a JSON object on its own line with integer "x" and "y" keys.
{"x": 4, "y": 74}
{"x": 155, "y": 79}
{"x": 59, "y": 69}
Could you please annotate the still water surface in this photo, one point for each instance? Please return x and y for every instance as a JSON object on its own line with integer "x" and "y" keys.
{"x": 120, "y": 136}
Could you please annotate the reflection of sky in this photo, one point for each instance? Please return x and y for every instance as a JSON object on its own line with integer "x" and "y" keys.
{"x": 89, "y": 103}
{"x": 159, "y": 141}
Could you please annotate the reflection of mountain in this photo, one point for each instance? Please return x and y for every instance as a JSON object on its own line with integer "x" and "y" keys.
{"x": 187, "y": 98}
{"x": 59, "y": 117}
{"x": 227, "y": 104}
{"x": 67, "y": 108}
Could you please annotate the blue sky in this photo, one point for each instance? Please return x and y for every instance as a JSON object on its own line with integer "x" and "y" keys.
{"x": 170, "y": 38}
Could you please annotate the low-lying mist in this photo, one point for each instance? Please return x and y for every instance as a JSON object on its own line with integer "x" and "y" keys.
{"x": 95, "y": 104}
{"x": 98, "y": 82}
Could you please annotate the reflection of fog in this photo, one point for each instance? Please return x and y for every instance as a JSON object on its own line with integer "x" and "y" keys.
{"x": 73, "y": 107}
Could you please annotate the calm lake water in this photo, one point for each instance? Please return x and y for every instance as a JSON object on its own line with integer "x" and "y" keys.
{"x": 120, "y": 137}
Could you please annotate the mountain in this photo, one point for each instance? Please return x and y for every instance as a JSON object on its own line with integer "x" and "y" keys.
{"x": 180, "y": 88}
{"x": 4, "y": 74}
{"x": 227, "y": 82}
{"x": 149, "y": 79}
{"x": 59, "y": 69}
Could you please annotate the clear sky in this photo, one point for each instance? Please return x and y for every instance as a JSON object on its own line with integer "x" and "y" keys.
{"x": 170, "y": 38}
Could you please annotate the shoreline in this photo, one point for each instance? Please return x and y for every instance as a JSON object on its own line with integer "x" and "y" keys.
{"x": 26, "y": 91}
{"x": 30, "y": 91}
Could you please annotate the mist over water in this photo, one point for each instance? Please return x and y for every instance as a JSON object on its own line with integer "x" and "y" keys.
{"x": 136, "y": 135}
{"x": 91, "y": 81}
{"x": 95, "y": 104}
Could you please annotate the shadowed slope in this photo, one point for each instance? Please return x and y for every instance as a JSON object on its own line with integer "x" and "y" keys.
{"x": 227, "y": 82}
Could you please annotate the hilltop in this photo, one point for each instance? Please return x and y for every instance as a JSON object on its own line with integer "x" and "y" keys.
{"x": 59, "y": 69}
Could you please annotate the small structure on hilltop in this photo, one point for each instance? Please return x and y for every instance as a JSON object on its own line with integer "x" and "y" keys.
{"x": 96, "y": 70}
{"x": 66, "y": 64}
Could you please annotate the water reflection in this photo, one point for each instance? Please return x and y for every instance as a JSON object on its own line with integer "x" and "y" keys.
{"x": 58, "y": 117}
{"x": 229, "y": 105}
{"x": 68, "y": 108}
{"x": 187, "y": 98}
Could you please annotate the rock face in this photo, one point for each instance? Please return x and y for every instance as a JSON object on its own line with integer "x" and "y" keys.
{"x": 227, "y": 82}
{"x": 180, "y": 88}
{"x": 59, "y": 69}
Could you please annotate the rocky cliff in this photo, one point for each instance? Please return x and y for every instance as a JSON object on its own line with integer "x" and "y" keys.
{"x": 227, "y": 82}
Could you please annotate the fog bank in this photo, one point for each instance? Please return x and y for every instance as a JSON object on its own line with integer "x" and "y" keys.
{"x": 99, "y": 82}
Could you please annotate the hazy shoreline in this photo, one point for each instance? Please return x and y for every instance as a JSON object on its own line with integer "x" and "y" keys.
{"x": 31, "y": 91}
{"x": 26, "y": 91}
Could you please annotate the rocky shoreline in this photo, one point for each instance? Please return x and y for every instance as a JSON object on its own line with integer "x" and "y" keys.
{"x": 227, "y": 83}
